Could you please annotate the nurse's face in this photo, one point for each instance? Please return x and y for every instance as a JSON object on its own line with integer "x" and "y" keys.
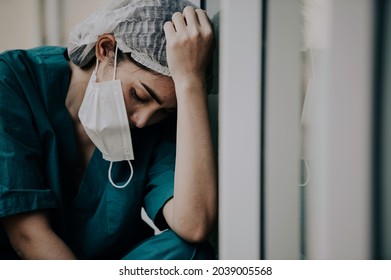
{"x": 149, "y": 97}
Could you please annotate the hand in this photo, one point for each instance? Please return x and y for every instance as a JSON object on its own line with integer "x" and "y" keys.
{"x": 190, "y": 43}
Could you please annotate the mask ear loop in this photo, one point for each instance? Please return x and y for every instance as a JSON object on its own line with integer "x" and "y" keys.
{"x": 111, "y": 163}
{"x": 115, "y": 62}
{"x": 96, "y": 65}
{"x": 127, "y": 182}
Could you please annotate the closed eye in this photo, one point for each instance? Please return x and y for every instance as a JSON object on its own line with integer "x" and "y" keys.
{"x": 137, "y": 98}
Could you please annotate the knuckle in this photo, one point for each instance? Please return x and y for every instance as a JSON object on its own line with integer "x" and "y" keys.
{"x": 209, "y": 34}
{"x": 170, "y": 42}
{"x": 195, "y": 35}
{"x": 167, "y": 24}
{"x": 200, "y": 11}
{"x": 188, "y": 9}
{"x": 174, "y": 43}
{"x": 184, "y": 40}
{"x": 176, "y": 15}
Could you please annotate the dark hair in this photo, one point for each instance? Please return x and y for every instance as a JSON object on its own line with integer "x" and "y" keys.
{"x": 212, "y": 84}
{"x": 121, "y": 57}
{"x": 210, "y": 74}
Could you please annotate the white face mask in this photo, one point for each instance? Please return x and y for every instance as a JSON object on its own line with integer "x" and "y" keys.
{"x": 104, "y": 118}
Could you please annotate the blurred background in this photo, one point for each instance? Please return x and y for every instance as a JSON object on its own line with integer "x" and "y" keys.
{"x": 300, "y": 119}
{"x": 31, "y": 23}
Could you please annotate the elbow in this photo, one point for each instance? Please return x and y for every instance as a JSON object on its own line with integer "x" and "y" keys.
{"x": 193, "y": 237}
{"x": 194, "y": 232}
{"x": 194, "y": 226}
{"x": 197, "y": 236}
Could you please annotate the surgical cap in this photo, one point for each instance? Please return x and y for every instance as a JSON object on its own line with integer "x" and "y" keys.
{"x": 137, "y": 26}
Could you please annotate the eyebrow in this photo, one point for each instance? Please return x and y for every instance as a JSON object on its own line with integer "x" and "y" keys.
{"x": 152, "y": 93}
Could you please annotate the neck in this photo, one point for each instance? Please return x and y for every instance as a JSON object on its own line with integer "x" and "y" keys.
{"x": 75, "y": 95}
{"x": 77, "y": 88}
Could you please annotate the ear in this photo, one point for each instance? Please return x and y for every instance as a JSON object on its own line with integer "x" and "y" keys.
{"x": 104, "y": 49}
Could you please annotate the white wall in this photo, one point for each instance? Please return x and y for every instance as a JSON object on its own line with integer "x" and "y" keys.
{"x": 19, "y": 24}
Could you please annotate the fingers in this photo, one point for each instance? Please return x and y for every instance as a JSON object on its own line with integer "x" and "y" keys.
{"x": 190, "y": 19}
{"x": 178, "y": 22}
{"x": 203, "y": 18}
{"x": 190, "y": 16}
{"x": 189, "y": 38}
{"x": 169, "y": 29}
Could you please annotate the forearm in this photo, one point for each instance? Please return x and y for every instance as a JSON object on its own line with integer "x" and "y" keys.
{"x": 48, "y": 246}
{"x": 32, "y": 238}
{"x": 192, "y": 211}
{"x": 194, "y": 205}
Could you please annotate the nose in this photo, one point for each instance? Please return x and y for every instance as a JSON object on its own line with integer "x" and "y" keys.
{"x": 141, "y": 118}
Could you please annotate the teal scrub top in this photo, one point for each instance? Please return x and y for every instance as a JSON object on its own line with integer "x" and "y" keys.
{"x": 38, "y": 155}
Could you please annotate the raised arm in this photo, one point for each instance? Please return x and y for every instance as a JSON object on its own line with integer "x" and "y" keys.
{"x": 191, "y": 213}
{"x": 31, "y": 237}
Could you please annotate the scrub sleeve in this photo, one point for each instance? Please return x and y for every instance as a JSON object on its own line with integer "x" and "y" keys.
{"x": 36, "y": 147}
{"x": 160, "y": 178}
{"x": 22, "y": 184}
{"x": 29, "y": 110}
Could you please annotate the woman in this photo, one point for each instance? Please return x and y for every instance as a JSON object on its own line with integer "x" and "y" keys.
{"x": 116, "y": 123}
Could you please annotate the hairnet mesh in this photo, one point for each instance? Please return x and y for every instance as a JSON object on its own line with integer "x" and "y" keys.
{"x": 137, "y": 26}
